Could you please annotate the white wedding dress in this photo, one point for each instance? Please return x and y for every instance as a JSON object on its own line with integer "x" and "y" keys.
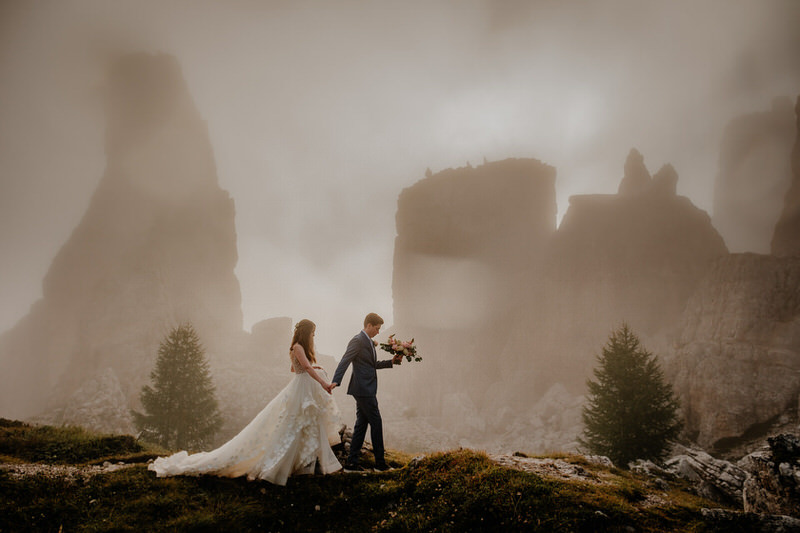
{"x": 292, "y": 433}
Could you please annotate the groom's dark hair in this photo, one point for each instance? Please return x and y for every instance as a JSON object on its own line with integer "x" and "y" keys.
{"x": 373, "y": 319}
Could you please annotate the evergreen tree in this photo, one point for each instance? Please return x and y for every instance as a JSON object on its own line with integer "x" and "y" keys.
{"x": 631, "y": 412}
{"x": 180, "y": 408}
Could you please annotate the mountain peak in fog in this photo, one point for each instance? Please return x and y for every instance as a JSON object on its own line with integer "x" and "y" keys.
{"x": 155, "y": 248}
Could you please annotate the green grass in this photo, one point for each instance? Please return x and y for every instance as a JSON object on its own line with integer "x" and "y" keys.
{"x": 67, "y": 445}
{"x": 460, "y": 490}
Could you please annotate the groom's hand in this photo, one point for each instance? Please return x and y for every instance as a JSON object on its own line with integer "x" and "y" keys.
{"x": 333, "y": 386}
{"x": 397, "y": 359}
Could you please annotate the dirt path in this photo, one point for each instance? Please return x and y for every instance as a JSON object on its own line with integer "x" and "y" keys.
{"x": 21, "y": 470}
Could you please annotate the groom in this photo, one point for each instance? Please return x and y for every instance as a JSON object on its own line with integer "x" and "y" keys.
{"x": 363, "y": 387}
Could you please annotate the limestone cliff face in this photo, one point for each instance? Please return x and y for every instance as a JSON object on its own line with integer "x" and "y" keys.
{"x": 468, "y": 240}
{"x": 464, "y": 235}
{"x": 754, "y": 175}
{"x": 506, "y": 308}
{"x": 156, "y": 247}
{"x": 633, "y": 257}
{"x": 737, "y": 360}
{"x": 786, "y": 240}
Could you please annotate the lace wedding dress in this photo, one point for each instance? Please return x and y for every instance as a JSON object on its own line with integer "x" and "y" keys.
{"x": 292, "y": 433}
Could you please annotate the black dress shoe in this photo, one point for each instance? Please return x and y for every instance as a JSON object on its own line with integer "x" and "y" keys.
{"x": 354, "y": 468}
{"x": 383, "y": 467}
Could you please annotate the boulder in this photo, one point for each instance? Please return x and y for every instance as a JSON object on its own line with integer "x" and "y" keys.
{"x": 773, "y": 485}
{"x": 716, "y": 479}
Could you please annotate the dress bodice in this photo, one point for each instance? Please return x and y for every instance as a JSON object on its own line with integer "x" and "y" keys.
{"x": 298, "y": 368}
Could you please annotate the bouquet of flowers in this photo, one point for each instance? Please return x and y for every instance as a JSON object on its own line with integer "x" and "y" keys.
{"x": 404, "y": 348}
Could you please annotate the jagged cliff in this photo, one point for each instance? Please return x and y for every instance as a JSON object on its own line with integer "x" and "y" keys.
{"x": 754, "y": 174}
{"x": 737, "y": 360}
{"x": 522, "y": 308}
{"x": 633, "y": 257}
{"x": 156, "y": 247}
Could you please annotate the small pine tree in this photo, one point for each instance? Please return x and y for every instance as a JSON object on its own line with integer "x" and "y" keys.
{"x": 631, "y": 411}
{"x": 180, "y": 408}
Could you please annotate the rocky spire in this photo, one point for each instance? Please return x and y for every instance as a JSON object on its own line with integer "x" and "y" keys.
{"x": 156, "y": 247}
{"x": 636, "y": 177}
{"x": 665, "y": 181}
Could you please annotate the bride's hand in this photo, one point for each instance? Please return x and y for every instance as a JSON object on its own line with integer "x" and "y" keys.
{"x": 328, "y": 387}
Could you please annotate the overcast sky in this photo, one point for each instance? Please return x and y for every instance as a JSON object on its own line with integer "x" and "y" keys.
{"x": 334, "y": 107}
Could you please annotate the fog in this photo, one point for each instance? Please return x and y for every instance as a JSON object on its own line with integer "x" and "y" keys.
{"x": 321, "y": 113}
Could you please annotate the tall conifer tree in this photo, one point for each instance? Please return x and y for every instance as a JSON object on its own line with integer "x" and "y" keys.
{"x": 181, "y": 408}
{"x": 631, "y": 411}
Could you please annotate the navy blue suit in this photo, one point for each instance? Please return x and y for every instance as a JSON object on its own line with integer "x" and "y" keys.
{"x": 363, "y": 388}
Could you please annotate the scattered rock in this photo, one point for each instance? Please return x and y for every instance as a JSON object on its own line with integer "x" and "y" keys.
{"x": 557, "y": 468}
{"x": 600, "y": 460}
{"x": 716, "y": 479}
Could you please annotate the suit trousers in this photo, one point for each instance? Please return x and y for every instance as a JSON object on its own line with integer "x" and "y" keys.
{"x": 367, "y": 413}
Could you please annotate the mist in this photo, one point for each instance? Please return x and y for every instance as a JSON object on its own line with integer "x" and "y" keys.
{"x": 321, "y": 114}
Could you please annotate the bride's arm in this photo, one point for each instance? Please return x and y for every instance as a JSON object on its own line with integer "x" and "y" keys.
{"x": 300, "y": 355}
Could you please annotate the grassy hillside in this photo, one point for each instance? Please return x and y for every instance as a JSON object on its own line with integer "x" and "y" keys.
{"x": 460, "y": 490}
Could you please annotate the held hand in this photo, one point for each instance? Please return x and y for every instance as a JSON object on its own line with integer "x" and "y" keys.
{"x": 328, "y": 388}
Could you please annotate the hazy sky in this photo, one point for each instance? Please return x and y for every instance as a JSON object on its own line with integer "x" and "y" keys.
{"x": 320, "y": 113}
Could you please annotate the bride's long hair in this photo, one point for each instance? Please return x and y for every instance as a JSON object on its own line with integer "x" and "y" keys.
{"x": 303, "y": 335}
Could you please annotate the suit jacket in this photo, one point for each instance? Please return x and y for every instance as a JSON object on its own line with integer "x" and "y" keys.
{"x": 361, "y": 352}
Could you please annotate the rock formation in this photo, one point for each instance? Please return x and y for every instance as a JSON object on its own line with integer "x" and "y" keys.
{"x": 636, "y": 256}
{"x": 507, "y": 307}
{"x": 765, "y": 483}
{"x": 636, "y": 177}
{"x": 737, "y": 358}
{"x": 156, "y": 247}
{"x": 786, "y": 240}
{"x": 480, "y": 228}
{"x": 773, "y": 485}
{"x": 754, "y": 174}
{"x": 467, "y": 241}
{"x": 715, "y": 479}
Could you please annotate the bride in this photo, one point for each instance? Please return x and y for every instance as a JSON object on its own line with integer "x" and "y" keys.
{"x": 289, "y": 436}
